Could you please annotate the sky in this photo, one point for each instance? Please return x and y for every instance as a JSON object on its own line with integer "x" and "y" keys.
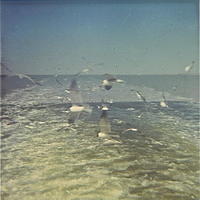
{"x": 125, "y": 37}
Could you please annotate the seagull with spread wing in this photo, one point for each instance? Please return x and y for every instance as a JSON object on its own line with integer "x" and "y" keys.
{"x": 109, "y": 80}
{"x": 139, "y": 95}
{"x": 24, "y": 76}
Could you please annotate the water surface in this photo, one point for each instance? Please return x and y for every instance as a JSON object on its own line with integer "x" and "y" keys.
{"x": 44, "y": 157}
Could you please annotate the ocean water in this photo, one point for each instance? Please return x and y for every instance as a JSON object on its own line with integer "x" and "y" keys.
{"x": 45, "y": 157}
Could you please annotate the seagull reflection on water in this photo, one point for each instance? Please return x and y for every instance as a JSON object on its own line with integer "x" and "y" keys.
{"x": 77, "y": 106}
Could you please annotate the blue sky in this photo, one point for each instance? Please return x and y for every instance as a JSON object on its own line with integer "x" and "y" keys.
{"x": 142, "y": 37}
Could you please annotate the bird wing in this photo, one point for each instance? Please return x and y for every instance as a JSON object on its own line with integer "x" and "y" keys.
{"x": 110, "y": 77}
{"x": 140, "y": 96}
{"x": 21, "y": 76}
{"x": 85, "y": 70}
{"x": 188, "y": 68}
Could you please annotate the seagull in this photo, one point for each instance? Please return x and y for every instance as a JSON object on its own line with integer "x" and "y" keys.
{"x": 89, "y": 63}
{"x": 130, "y": 129}
{"x": 21, "y": 76}
{"x": 24, "y": 76}
{"x": 111, "y": 141}
{"x": 85, "y": 70}
{"x": 140, "y": 115}
{"x": 75, "y": 75}
{"x": 189, "y": 67}
{"x": 163, "y": 103}
{"x": 108, "y": 82}
{"x": 79, "y": 108}
{"x": 140, "y": 96}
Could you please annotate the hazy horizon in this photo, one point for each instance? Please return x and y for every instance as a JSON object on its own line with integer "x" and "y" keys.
{"x": 191, "y": 74}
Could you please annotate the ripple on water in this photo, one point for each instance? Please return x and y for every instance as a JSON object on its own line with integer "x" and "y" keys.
{"x": 55, "y": 160}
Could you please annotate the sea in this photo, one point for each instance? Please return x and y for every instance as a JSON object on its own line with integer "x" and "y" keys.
{"x": 152, "y": 152}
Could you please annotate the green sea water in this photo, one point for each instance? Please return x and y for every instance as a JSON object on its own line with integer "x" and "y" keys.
{"x": 44, "y": 157}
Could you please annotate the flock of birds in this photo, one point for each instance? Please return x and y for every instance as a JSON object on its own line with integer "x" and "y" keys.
{"x": 77, "y": 105}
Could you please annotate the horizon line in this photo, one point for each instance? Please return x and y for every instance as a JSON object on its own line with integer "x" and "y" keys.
{"x": 193, "y": 74}
{"x": 112, "y": 74}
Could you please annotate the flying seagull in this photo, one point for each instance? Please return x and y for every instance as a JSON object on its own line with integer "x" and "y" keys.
{"x": 139, "y": 95}
{"x": 189, "y": 67}
{"x": 24, "y": 76}
{"x": 85, "y": 70}
{"x": 107, "y": 83}
{"x": 8, "y": 72}
{"x": 75, "y": 75}
{"x": 130, "y": 129}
